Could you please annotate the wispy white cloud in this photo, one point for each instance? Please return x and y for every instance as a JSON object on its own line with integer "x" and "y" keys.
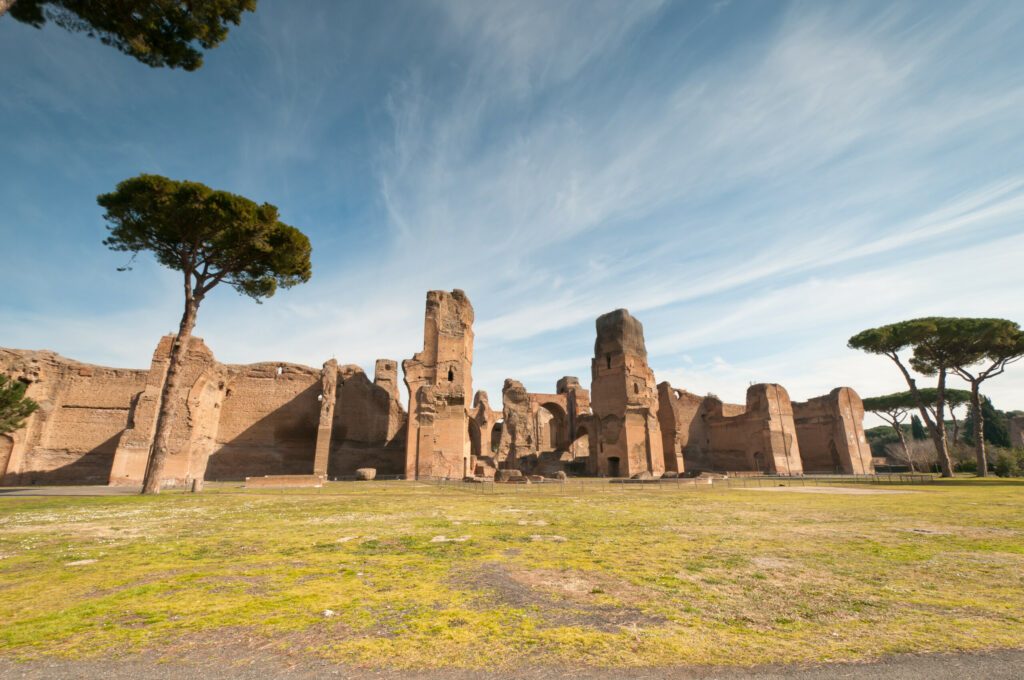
{"x": 748, "y": 196}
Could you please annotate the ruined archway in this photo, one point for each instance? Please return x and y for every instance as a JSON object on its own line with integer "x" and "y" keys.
{"x": 552, "y": 427}
{"x": 759, "y": 463}
{"x": 496, "y": 431}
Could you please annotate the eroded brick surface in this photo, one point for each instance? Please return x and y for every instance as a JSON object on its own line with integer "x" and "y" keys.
{"x": 271, "y": 420}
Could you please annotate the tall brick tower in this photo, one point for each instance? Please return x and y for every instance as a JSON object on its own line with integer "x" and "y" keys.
{"x": 624, "y": 399}
{"x": 440, "y": 383}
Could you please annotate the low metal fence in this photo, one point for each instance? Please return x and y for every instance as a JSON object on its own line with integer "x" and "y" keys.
{"x": 586, "y": 485}
{"x": 590, "y": 485}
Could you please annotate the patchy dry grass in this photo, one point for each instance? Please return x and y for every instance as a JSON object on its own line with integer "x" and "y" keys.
{"x": 420, "y": 576}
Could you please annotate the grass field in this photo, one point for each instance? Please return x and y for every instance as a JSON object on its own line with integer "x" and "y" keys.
{"x": 422, "y": 576}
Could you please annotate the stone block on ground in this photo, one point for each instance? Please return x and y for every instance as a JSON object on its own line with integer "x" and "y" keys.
{"x": 508, "y": 476}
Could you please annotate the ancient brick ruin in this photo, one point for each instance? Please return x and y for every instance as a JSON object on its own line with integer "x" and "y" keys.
{"x": 286, "y": 424}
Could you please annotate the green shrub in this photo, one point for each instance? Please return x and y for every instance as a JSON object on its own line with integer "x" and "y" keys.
{"x": 966, "y": 466}
{"x": 1008, "y": 462}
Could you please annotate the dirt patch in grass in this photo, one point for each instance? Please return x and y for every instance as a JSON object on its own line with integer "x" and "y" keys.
{"x": 843, "y": 491}
{"x": 561, "y": 597}
{"x": 839, "y": 490}
{"x": 250, "y": 585}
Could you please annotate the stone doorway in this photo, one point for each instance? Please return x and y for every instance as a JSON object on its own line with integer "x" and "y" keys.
{"x": 759, "y": 465}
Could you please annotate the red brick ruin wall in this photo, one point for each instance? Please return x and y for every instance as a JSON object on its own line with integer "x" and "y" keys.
{"x": 83, "y": 409}
{"x": 768, "y": 434}
{"x": 95, "y": 425}
{"x": 831, "y": 433}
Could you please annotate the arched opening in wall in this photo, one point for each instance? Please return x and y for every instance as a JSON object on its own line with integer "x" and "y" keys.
{"x": 551, "y": 428}
{"x": 474, "y": 438}
{"x": 496, "y": 435}
{"x": 636, "y": 388}
{"x": 613, "y": 466}
{"x": 451, "y": 375}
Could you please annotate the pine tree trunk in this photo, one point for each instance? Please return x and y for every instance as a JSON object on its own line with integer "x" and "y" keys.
{"x": 5, "y": 5}
{"x": 937, "y": 431}
{"x": 938, "y": 434}
{"x": 906, "y": 449}
{"x": 938, "y": 428}
{"x": 979, "y": 432}
{"x": 169, "y": 401}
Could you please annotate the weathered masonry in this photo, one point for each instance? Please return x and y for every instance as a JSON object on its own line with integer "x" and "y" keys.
{"x": 95, "y": 425}
{"x": 440, "y": 381}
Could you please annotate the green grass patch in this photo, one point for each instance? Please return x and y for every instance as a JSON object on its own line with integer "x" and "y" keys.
{"x": 420, "y": 576}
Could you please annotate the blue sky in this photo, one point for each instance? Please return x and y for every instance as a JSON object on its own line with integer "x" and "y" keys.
{"x": 755, "y": 181}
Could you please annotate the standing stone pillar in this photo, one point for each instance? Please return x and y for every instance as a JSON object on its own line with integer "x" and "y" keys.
{"x": 329, "y": 381}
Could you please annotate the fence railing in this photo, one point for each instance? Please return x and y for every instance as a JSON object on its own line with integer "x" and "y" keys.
{"x": 592, "y": 485}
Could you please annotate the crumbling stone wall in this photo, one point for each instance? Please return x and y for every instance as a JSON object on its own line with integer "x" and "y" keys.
{"x": 83, "y": 409}
{"x": 268, "y": 422}
{"x": 762, "y": 437}
{"x": 518, "y": 433}
{"x": 685, "y": 439}
{"x": 439, "y": 379}
{"x": 577, "y": 408}
{"x": 481, "y": 431}
{"x": 484, "y": 439}
{"x": 830, "y": 430}
{"x": 96, "y": 425}
{"x": 543, "y": 432}
{"x": 202, "y": 381}
{"x": 706, "y": 434}
{"x": 624, "y": 400}
{"x": 369, "y": 422}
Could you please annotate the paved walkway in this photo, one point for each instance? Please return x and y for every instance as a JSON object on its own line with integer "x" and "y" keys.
{"x": 96, "y": 490}
{"x": 994, "y": 665}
